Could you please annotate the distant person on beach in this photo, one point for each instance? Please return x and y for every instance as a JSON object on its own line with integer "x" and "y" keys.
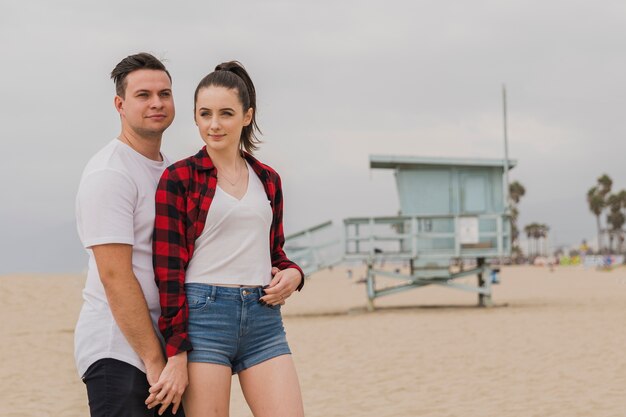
{"x": 220, "y": 265}
{"x": 117, "y": 348}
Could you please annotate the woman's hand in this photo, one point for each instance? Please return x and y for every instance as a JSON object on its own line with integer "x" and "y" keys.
{"x": 281, "y": 287}
{"x": 171, "y": 384}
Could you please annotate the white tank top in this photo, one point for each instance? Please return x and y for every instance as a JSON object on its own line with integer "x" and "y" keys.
{"x": 234, "y": 246}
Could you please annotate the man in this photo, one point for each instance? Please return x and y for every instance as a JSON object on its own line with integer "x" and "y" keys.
{"x": 117, "y": 348}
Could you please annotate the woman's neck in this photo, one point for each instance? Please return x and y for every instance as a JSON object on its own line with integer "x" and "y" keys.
{"x": 226, "y": 159}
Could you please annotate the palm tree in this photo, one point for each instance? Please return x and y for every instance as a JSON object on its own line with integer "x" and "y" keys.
{"x": 514, "y": 229}
{"x": 543, "y": 230}
{"x": 614, "y": 204}
{"x": 516, "y": 192}
{"x": 597, "y": 199}
{"x": 622, "y": 196}
{"x": 538, "y": 232}
{"x": 615, "y": 218}
{"x": 529, "y": 229}
{"x": 605, "y": 182}
{"x": 596, "y": 202}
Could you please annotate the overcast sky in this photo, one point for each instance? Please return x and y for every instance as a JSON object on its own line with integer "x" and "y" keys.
{"x": 336, "y": 81}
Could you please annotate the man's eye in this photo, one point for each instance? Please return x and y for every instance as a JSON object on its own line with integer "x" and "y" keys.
{"x": 165, "y": 94}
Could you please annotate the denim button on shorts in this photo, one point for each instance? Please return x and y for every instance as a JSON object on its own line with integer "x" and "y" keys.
{"x": 229, "y": 326}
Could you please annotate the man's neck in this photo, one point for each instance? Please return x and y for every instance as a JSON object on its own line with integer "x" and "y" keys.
{"x": 150, "y": 147}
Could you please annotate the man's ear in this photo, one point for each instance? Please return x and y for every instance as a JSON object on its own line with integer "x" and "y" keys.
{"x": 118, "y": 102}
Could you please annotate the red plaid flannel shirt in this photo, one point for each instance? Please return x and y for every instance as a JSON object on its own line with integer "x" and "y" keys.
{"x": 183, "y": 198}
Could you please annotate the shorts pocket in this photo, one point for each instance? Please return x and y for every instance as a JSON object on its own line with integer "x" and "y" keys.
{"x": 197, "y": 302}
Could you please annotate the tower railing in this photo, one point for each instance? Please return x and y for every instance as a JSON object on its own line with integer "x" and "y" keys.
{"x": 427, "y": 236}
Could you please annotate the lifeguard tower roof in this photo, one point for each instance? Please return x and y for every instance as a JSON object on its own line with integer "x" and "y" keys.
{"x": 446, "y": 186}
{"x": 393, "y": 161}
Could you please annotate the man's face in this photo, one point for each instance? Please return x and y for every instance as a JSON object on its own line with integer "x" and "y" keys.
{"x": 148, "y": 106}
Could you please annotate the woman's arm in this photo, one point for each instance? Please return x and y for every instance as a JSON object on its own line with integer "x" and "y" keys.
{"x": 279, "y": 259}
{"x": 290, "y": 276}
{"x": 170, "y": 258}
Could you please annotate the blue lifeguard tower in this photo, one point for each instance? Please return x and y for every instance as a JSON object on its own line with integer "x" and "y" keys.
{"x": 453, "y": 213}
{"x": 453, "y": 218}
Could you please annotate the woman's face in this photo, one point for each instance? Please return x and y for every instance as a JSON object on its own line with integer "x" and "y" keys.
{"x": 220, "y": 118}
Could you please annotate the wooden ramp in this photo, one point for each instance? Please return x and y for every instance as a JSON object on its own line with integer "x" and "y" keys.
{"x": 315, "y": 248}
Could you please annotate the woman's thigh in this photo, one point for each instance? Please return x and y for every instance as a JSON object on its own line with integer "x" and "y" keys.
{"x": 272, "y": 389}
{"x": 208, "y": 393}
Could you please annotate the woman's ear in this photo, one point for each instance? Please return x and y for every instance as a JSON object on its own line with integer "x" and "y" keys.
{"x": 247, "y": 118}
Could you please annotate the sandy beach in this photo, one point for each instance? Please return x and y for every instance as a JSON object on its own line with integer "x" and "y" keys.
{"x": 553, "y": 345}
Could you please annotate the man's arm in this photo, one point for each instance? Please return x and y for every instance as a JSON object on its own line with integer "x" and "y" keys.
{"x": 128, "y": 305}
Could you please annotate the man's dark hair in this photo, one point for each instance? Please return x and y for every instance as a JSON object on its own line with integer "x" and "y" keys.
{"x": 132, "y": 63}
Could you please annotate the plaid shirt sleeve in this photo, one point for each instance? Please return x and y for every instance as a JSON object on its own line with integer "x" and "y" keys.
{"x": 279, "y": 259}
{"x": 170, "y": 258}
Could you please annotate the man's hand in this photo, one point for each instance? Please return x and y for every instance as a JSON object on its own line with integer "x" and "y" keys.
{"x": 281, "y": 287}
{"x": 171, "y": 385}
{"x": 154, "y": 369}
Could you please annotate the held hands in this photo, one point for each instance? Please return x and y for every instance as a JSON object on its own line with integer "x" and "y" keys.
{"x": 282, "y": 286}
{"x": 171, "y": 384}
{"x": 154, "y": 367}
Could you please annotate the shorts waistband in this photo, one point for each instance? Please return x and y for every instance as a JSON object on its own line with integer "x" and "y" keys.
{"x": 218, "y": 291}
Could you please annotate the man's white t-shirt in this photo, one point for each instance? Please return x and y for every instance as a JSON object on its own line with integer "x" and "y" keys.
{"x": 115, "y": 204}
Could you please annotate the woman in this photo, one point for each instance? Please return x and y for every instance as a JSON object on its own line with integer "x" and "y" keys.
{"x": 220, "y": 266}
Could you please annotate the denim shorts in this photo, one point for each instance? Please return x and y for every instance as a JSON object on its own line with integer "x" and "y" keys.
{"x": 229, "y": 326}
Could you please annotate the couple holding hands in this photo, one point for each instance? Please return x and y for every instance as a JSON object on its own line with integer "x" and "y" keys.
{"x": 187, "y": 272}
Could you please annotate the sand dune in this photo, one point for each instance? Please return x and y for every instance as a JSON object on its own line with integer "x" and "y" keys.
{"x": 554, "y": 345}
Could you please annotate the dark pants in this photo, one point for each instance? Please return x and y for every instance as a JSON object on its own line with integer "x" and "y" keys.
{"x": 118, "y": 389}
